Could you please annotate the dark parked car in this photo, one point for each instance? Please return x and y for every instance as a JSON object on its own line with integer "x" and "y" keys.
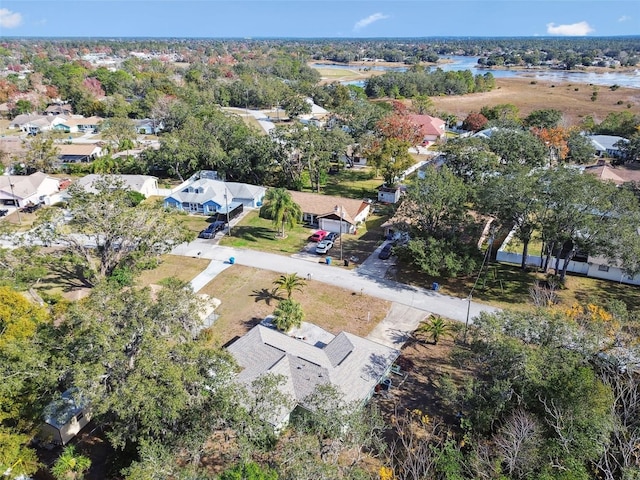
{"x": 212, "y": 229}
{"x": 331, "y": 236}
{"x": 386, "y": 251}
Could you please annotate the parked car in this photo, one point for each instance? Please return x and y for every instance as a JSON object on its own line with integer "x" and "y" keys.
{"x": 324, "y": 246}
{"x": 331, "y": 236}
{"x": 212, "y": 229}
{"x": 318, "y": 236}
{"x": 386, "y": 251}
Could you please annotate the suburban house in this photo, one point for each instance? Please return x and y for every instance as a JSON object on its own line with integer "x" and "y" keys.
{"x": 591, "y": 266}
{"x": 618, "y": 174}
{"x": 333, "y": 214}
{"x": 65, "y": 417}
{"x": 606, "y": 145}
{"x": 431, "y": 128}
{"x": 22, "y": 190}
{"x": 78, "y": 152}
{"x": 353, "y": 157}
{"x": 34, "y": 124}
{"x": 147, "y": 126}
{"x": 90, "y": 124}
{"x": 59, "y": 109}
{"x": 309, "y": 357}
{"x": 317, "y": 117}
{"x": 206, "y": 195}
{"x": 144, "y": 184}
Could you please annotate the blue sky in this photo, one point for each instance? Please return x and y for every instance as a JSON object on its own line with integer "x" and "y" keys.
{"x": 317, "y": 18}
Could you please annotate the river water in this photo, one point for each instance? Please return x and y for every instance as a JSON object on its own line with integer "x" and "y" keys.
{"x": 624, "y": 79}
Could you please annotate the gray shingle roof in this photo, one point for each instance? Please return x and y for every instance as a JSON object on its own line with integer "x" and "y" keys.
{"x": 353, "y": 364}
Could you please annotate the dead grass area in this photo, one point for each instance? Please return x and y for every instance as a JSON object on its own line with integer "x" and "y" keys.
{"x": 528, "y": 94}
{"x": 182, "y": 268}
{"x": 247, "y": 297}
{"x": 417, "y": 385}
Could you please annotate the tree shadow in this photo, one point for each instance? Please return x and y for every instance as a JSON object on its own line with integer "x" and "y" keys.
{"x": 253, "y": 234}
{"x": 265, "y": 295}
{"x": 252, "y": 322}
{"x": 68, "y": 276}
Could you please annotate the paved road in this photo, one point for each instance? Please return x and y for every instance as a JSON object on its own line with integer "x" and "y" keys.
{"x": 355, "y": 280}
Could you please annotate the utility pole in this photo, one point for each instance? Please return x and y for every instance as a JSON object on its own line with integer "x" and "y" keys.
{"x": 226, "y": 201}
{"x": 338, "y": 209}
{"x": 15, "y": 203}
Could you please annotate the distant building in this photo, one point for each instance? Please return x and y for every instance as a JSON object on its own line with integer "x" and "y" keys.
{"x": 144, "y": 184}
{"x": 607, "y": 145}
{"x": 431, "y": 128}
{"x": 22, "y": 190}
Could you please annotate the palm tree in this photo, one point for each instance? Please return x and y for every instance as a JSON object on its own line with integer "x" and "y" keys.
{"x": 289, "y": 283}
{"x": 287, "y": 315}
{"x": 436, "y": 327}
{"x": 280, "y": 207}
{"x": 70, "y": 465}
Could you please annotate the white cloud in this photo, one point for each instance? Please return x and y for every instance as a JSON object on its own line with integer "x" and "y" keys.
{"x": 579, "y": 29}
{"x": 624, "y": 18}
{"x": 360, "y": 24}
{"x": 9, "y": 19}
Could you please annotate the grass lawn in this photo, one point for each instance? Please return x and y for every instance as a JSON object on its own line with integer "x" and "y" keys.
{"x": 515, "y": 246}
{"x": 246, "y": 295}
{"x": 507, "y": 286}
{"x": 353, "y": 183}
{"x": 259, "y": 234}
{"x": 182, "y": 268}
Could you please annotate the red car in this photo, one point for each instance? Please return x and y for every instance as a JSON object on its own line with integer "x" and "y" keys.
{"x": 318, "y": 236}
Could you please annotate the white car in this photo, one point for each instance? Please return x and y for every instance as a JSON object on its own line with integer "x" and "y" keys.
{"x": 324, "y": 246}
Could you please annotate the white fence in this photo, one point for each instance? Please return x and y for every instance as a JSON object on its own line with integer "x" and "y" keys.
{"x": 590, "y": 269}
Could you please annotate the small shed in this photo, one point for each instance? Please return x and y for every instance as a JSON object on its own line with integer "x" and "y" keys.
{"x": 389, "y": 194}
{"x": 65, "y": 417}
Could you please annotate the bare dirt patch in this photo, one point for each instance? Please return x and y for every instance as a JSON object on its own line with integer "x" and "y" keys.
{"x": 573, "y": 99}
{"x": 423, "y": 366}
{"x": 247, "y": 298}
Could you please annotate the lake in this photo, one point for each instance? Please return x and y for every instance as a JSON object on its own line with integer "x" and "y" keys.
{"x": 624, "y": 79}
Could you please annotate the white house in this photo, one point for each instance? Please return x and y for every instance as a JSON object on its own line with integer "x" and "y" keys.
{"x": 144, "y": 184}
{"x": 65, "y": 417}
{"x": 606, "y": 145}
{"x": 34, "y": 124}
{"x": 21, "y": 190}
{"x": 309, "y": 357}
{"x": 148, "y": 126}
{"x": 592, "y": 266}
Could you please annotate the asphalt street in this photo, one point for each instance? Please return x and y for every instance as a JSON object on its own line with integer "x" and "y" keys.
{"x": 366, "y": 281}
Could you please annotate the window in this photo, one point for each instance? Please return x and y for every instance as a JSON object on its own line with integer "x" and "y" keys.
{"x": 80, "y": 416}
{"x": 603, "y": 268}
